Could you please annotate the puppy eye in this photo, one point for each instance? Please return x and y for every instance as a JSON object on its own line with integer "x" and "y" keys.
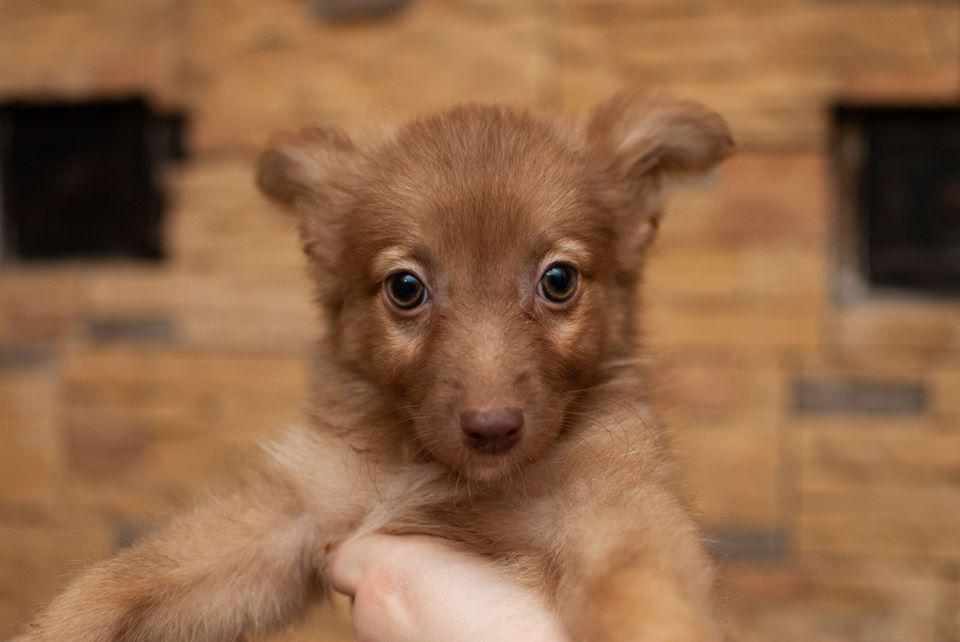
{"x": 405, "y": 290}
{"x": 559, "y": 282}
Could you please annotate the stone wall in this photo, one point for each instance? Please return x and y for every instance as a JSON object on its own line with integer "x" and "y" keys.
{"x": 820, "y": 438}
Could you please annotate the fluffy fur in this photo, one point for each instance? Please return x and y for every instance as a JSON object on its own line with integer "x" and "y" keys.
{"x": 477, "y": 202}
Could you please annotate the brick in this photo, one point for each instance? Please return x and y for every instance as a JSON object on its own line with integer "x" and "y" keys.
{"x": 147, "y": 430}
{"x": 877, "y": 485}
{"x": 900, "y": 326}
{"x": 31, "y": 452}
{"x": 25, "y": 317}
{"x": 231, "y": 393}
{"x": 949, "y": 629}
{"x": 753, "y": 326}
{"x": 889, "y": 452}
{"x": 23, "y": 357}
{"x": 254, "y": 327}
{"x": 38, "y": 555}
{"x": 351, "y": 10}
{"x": 91, "y": 49}
{"x": 305, "y": 71}
{"x": 223, "y": 224}
{"x": 747, "y": 545}
{"x": 126, "y": 531}
{"x": 933, "y": 372}
{"x": 700, "y": 388}
{"x": 858, "y": 396}
{"x": 913, "y": 521}
{"x": 227, "y": 305}
{"x": 861, "y": 361}
{"x": 748, "y": 274}
{"x": 747, "y": 460}
{"x": 239, "y": 310}
{"x": 769, "y": 71}
{"x": 946, "y": 395}
{"x": 121, "y": 469}
{"x": 690, "y": 9}
{"x": 139, "y": 329}
{"x": 754, "y": 201}
{"x": 833, "y": 599}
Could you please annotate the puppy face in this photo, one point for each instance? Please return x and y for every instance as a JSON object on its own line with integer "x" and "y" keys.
{"x": 479, "y": 267}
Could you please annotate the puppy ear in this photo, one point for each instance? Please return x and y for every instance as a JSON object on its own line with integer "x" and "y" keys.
{"x": 642, "y": 136}
{"x": 310, "y": 174}
{"x": 305, "y": 169}
{"x": 640, "y": 143}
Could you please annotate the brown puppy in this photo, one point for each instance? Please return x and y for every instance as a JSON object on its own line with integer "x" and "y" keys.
{"x": 478, "y": 273}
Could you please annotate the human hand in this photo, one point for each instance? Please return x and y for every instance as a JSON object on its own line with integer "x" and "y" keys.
{"x": 420, "y": 589}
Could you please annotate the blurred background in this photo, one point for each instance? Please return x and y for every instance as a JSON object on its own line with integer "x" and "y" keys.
{"x": 804, "y": 310}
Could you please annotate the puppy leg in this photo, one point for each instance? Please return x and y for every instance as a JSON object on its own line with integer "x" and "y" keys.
{"x": 636, "y": 572}
{"x": 242, "y": 565}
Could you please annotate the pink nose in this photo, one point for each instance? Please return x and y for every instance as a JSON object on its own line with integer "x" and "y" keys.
{"x": 492, "y": 432}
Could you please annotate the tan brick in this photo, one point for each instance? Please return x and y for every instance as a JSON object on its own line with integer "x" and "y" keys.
{"x": 899, "y": 326}
{"x": 302, "y": 71}
{"x": 222, "y": 224}
{"x": 40, "y": 550}
{"x": 770, "y": 72}
{"x": 936, "y": 371}
{"x": 768, "y": 201}
{"x": 233, "y": 309}
{"x": 31, "y": 454}
{"x": 733, "y": 474}
{"x": 902, "y": 521}
{"x": 877, "y": 485}
{"x": 147, "y": 431}
{"x": 698, "y": 389}
{"x": 883, "y": 363}
{"x": 755, "y": 326}
{"x": 880, "y": 451}
{"x": 754, "y": 274}
{"x": 226, "y": 304}
{"x": 221, "y": 393}
{"x": 28, "y": 317}
{"x": 92, "y": 48}
{"x": 694, "y": 9}
{"x": 946, "y": 396}
{"x": 120, "y": 468}
{"x": 824, "y": 600}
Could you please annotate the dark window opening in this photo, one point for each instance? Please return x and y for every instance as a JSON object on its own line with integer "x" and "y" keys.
{"x": 85, "y": 179}
{"x": 903, "y": 184}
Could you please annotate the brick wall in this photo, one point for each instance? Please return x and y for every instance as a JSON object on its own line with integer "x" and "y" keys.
{"x": 820, "y": 439}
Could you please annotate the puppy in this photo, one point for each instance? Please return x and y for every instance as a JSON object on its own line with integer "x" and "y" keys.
{"x": 477, "y": 274}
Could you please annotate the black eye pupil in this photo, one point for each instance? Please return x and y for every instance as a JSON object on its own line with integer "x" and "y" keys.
{"x": 405, "y": 290}
{"x": 559, "y": 283}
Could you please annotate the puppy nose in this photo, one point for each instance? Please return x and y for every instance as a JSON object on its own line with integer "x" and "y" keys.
{"x": 492, "y": 431}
